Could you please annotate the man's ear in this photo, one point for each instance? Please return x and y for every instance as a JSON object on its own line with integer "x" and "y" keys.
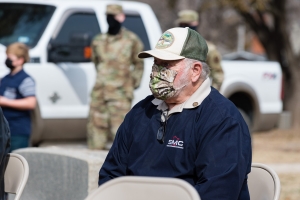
{"x": 196, "y": 71}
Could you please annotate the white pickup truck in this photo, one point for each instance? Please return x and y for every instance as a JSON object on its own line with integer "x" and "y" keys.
{"x": 59, "y": 33}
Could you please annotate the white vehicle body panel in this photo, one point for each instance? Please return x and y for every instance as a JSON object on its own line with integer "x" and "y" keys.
{"x": 264, "y": 77}
{"x": 73, "y": 82}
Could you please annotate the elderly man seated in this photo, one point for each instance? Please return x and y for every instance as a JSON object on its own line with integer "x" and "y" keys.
{"x": 186, "y": 129}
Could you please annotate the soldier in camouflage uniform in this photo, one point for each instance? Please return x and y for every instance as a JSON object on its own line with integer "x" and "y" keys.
{"x": 190, "y": 18}
{"x": 113, "y": 53}
{"x": 214, "y": 61}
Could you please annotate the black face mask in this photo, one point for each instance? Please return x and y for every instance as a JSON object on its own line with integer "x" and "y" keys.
{"x": 193, "y": 28}
{"x": 9, "y": 64}
{"x": 183, "y": 25}
{"x": 114, "y": 25}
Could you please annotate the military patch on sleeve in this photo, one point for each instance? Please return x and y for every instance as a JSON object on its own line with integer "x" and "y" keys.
{"x": 165, "y": 40}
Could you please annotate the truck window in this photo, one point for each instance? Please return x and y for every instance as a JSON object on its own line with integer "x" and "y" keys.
{"x": 135, "y": 23}
{"x": 23, "y": 22}
{"x": 72, "y": 43}
{"x": 78, "y": 23}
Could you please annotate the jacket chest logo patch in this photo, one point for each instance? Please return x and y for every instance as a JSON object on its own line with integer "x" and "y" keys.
{"x": 175, "y": 143}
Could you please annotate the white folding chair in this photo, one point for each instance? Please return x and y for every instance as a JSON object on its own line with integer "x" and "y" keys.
{"x": 263, "y": 183}
{"x": 145, "y": 188}
{"x": 16, "y": 174}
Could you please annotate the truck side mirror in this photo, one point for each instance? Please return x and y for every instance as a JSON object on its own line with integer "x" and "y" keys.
{"x": 77, "y": 49}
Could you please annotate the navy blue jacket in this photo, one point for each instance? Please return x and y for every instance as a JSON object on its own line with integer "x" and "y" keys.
{"x": 208, "y": 146}
{"x": 17, "y": 86}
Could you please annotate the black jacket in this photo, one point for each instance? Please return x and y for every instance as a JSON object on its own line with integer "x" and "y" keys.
{"x": 4, "y": 149}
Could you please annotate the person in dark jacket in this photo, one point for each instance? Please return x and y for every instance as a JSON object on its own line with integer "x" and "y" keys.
{"x": 186, "y": 129}
{"x": 4, "y": 149}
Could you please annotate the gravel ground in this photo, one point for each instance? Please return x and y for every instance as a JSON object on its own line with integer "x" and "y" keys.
{"x": 280, "y": 149}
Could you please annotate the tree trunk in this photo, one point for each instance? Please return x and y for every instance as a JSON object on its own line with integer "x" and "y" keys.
{"x": 292, "y": 88}
{"x": 276, "y": 41}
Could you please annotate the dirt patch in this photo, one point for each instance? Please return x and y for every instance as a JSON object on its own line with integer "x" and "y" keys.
{"x": 277, "y": 146}
{"x": 290, "y": 186}
{"x": 280, "y": 147}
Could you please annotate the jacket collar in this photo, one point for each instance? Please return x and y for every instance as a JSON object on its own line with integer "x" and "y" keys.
{"x": 194, "y": 101}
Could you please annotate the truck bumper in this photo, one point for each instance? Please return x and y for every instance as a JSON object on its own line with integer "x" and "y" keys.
{"x": 265, "y": 122}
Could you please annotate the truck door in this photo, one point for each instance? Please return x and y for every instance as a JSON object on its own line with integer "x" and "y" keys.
{"x": 69, "y": 64}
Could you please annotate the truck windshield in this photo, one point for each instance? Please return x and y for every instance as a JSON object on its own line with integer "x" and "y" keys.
{"x": 23, "y": 22}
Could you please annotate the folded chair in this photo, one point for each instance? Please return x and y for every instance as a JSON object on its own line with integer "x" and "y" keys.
{"x": 263, "y": 183}
{"x": 15, "y": 175}
{"x": 145, "y": 188}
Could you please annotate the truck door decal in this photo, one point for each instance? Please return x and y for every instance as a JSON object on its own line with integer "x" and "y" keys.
{"x": 54, "y": 97}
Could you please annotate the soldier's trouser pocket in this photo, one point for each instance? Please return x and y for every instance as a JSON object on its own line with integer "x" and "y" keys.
{"x": 117, "y": 110}
{"x": 97, "y": 129}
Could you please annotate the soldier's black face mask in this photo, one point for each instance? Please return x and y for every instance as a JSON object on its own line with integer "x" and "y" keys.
{"x": 114, "y": 25}
{"x": 183, "y": 25}
{"x": 8, "y": 63}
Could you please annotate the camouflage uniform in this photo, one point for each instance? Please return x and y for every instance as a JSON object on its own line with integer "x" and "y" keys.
{"x": 112, "y": 94}
{"x": 214, "y": 61}
{"x": 191, "y": 18}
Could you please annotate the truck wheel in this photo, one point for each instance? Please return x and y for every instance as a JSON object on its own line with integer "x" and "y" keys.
{"x": 36, "y": 126}
{"x": 247, "y": 119}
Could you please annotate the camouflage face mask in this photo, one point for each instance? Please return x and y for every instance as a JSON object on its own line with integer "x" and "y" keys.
{"x": 161, "y": 82}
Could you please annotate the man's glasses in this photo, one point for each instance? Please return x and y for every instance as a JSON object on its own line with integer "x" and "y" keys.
{"x": 162, "y": 130}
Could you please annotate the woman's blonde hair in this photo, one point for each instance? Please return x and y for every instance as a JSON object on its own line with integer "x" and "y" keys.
{"x": 18, "y": 49}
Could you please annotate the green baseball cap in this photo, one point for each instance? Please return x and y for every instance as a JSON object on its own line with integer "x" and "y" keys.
{"x": 113, "y": 9}
{"x": 178, "y": 43}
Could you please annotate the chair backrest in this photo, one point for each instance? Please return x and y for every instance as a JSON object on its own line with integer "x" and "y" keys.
{"x": 16, "y": 174}
{"x": 263, "y": 183}
{"x": 146, "y": 188}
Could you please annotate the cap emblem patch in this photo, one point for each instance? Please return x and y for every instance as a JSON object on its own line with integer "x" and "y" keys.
{"x": 165, "y": 40}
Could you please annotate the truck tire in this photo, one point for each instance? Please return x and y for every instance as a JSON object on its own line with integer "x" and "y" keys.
{"x": 247, "y": 119}
{"x": 36, "y": 126}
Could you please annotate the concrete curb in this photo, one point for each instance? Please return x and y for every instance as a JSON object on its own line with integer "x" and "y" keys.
{"x": 285, "y": 167}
